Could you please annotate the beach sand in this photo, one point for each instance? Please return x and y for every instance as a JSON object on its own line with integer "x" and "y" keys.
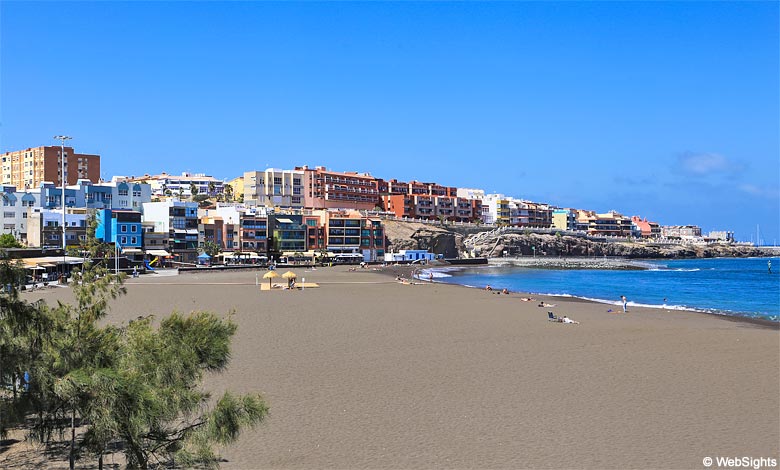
{"x": 364, "y": 372}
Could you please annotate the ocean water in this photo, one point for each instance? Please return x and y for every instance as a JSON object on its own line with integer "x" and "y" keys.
{"x": 730, "y": 286}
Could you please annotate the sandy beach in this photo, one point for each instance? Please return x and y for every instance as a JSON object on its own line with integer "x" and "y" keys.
{"x": 365, "y": 372}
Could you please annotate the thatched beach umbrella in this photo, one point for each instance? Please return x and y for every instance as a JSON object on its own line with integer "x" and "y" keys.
{"x": 270, "y": 275}
{"x": 289, "y": 275}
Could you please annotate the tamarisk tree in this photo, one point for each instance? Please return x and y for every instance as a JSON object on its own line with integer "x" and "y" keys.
{"x": 135, "y": 387}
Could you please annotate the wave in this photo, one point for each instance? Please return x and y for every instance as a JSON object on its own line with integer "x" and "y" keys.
{"x": 435, "y": 273}
{"x": 682, "y": 308}
{"x": 681, "y": 270}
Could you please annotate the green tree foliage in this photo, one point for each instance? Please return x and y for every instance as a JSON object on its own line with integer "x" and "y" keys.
{"x": 210, "y": 248}
{"x": 134, "y": 386}
{"x": 7, "y": 240}
{"x": 193, "y": 190}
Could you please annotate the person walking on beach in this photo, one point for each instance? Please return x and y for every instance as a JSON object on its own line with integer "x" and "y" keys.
{"x": 625, "y": 303}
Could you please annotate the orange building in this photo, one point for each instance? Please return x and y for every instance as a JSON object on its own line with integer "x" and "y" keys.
{"x": 647, "y": 229}
{"x": 425, "y": 206}
{"x": 415, "y": 187}
{"x": 324, "y": 189}
{"x": 28, "y": 168}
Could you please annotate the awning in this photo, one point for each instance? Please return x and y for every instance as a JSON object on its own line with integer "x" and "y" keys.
{"x": 285, "y": 221}
{"x": 179, "y": 231}
{"x": 157, "y": 253}
{"x": 131, "y": 250}
{"x": 192, "y": 231}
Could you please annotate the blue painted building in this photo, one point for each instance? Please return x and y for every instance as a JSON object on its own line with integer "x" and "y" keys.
{"x": 119, "y": 226}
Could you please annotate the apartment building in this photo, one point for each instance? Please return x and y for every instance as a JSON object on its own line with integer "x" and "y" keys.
{"x": 211, "y": 229}
{"x": 179, "y": 221}
{"x": 16, "y": 207}
{"x": 498, "y": 209}
{"x": 564, "y": 219}
{"x": 644, "y": 228}
{"x": 28, "y": 168}
{"x": 325, "y": 189}
{"x": 287, "y": 234}
{"x": 414, "y": 187}
{"x": 274, "y": 188}
{"x": 609, "y": 224}
{"x": 44, "y": 227}
{"x": 121, "y": 195}
{"x": 179, "y": 185}
{"x": 539, "y": 214}
{"x": 431, "y": 207}
{"x": 351, "y": 232}
{"x": 681, "y": 231}
{"x": 120, "y": 226}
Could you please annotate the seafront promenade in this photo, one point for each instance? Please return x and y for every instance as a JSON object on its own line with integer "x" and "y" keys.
{"x": 366, "y": 372}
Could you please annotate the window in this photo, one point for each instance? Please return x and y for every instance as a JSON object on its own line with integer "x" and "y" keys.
{"x": 9, "y": 215}
{"x": 123, "y": 228}
{"x": 133, "y": 228}
{"x": 133, "y": 240}
{"x": 123, "y": 240}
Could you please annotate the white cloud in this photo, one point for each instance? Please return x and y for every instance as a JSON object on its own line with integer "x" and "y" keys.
{"x": 765, "y": 192}
{"x": 704, "y": 164}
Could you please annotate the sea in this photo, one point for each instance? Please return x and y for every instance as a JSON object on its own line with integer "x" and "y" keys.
{"x": 725, "y": 286}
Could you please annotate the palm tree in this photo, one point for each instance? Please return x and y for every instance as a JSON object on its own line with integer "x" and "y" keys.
{"x": 212, "y": 188}
{"x": 228, "y": 193}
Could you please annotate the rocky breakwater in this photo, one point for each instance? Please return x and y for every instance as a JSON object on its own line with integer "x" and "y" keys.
{"x": 504, "y": 243}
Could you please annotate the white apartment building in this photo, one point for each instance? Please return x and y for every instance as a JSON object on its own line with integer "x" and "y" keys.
{"x": 16, "y": 206}
{"x": 175, "y": 185}
{"x": 274, "y": 188}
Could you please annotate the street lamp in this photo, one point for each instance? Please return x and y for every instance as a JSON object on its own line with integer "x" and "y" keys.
{"x": 62, "y": 139}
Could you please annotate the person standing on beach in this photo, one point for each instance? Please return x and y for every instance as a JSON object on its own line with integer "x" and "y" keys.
{"x": 625, "y": 303}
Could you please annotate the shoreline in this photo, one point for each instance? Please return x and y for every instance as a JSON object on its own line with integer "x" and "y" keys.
{"x": 731, "y": 316}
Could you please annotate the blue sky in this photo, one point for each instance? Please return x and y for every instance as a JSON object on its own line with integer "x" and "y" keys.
{"x": 665, "y": 110}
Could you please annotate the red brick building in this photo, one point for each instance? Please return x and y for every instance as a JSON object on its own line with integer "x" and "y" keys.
{"x": 28, "y": 168}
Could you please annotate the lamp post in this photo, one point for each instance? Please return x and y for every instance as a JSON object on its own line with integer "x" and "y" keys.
{"x": 62, "y": 139}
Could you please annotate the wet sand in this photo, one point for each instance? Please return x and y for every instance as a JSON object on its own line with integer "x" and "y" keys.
{"x": 364, "y": 372}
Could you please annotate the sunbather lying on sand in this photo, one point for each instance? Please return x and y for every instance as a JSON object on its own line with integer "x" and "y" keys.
{"x": 527, "y": 299}
{"x": 566, "y": 319}
{"x": 545, "y": 304}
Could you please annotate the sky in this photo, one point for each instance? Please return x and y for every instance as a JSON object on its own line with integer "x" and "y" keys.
{"x": 666, "y": 110}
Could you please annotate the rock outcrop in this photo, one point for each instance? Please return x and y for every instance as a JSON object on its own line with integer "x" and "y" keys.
{"x": 417, "y": 236}
{"x": 455, "y": 241}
